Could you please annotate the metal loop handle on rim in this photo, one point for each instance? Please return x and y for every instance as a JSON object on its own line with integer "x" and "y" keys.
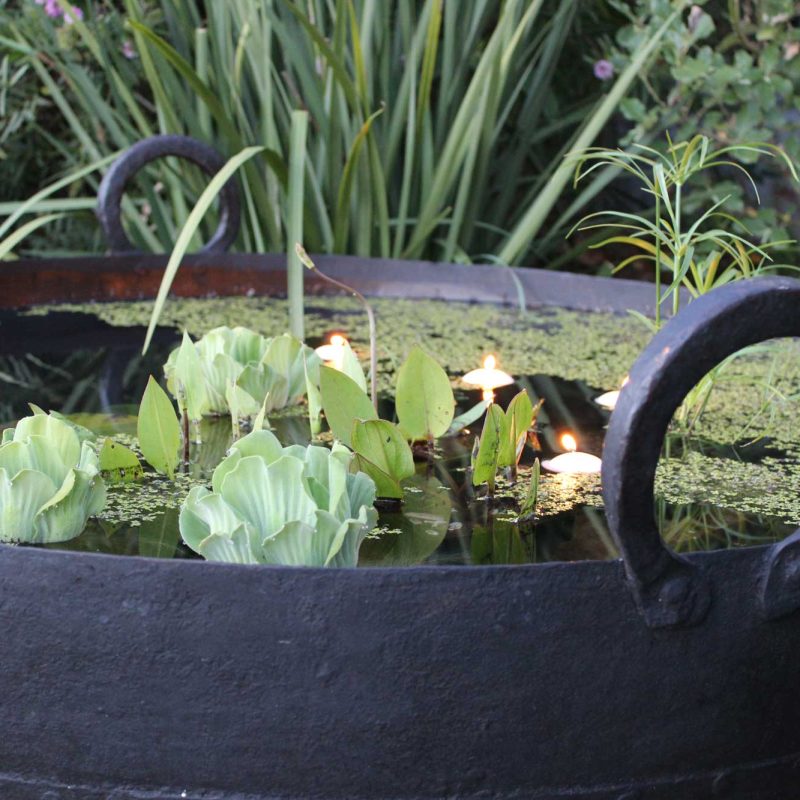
{"x": 672, "y": 591}
{"x": 112, "y": 188}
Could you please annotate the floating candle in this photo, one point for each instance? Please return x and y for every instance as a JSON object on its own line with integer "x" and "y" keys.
{"x": 572, "y": 461}
{"x": 333, "y": 352}
{"x": 488, "y": 378}
{"x": 609, "y": 399}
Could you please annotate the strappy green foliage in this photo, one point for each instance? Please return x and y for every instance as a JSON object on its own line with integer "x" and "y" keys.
{"x": 49, "y": 481}
{"x": 699, "y": 253}
{"x": 436, "y": 130}
{"x": 294, "y": 506}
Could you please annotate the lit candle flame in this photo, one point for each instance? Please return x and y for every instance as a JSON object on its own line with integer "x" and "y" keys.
{"x": 573, "y": 461}
{"x": 332, "y": 353}
{"x": 568, "y": 442}
{"x": 487, "y": 378}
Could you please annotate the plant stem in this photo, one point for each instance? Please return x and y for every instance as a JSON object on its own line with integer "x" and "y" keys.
{"x": 185, "y": 436}
{"x": 658, "y": 262}
{"x": 294, "y": 267}
{"x": 373, "y": 351}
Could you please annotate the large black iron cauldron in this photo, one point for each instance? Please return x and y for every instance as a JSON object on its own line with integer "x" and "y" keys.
{"x": 659, "y": 677}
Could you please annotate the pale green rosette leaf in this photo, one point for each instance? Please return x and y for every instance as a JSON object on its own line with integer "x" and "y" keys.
{"x": 21, "y": 497}
{"x": 292, "y": 506}
{"x": 49, "y": 481}
{"x": 269, "y": 373}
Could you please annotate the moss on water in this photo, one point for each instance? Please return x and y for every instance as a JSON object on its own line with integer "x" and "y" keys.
{"x": 757, "y": 395}
{"x": 591, "y": 347}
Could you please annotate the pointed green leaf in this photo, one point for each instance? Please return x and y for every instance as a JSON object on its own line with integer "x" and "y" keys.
{"x": 351, "y": 366}
{"x": 519, "y": 417}
{"x": 467, "y": 418}
{"x": 343, "y": 402}
{"x": 484, "y": 468}
{"x": 529, "y": 505}
{"x": 158, "y": 429}
{"x": 424, "y": 400}
{"x": 118, "y": 463}
{"x": 382, "y": 443}
{"x": 385, "y": 484}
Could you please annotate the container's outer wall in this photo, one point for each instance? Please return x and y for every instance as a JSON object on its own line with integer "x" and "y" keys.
{"x": 534, "y": 681}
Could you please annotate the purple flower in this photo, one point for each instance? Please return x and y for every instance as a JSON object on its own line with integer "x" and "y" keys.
{"x": 603, "y": 70}
{"x": 128, "y": 50}
{"x": 52, "y": 8}
{"x": 73, "y": 16}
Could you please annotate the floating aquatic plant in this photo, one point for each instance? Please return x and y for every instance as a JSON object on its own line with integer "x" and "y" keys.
{"x": 238, "y": 367}
{"x": 49, "y": 481}
{"x": 270, "y": 504}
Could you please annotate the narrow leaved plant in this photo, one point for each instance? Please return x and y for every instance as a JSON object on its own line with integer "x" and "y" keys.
{"x": 698, "y": 252}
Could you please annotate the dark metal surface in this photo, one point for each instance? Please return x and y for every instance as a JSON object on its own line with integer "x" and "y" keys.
{"x": 112, "y": 188}
{"x": 124, "y": 675}
{"x": 137, "y": 277}
{"x": 133, "y": 678}
{"x": 669, "y": 589}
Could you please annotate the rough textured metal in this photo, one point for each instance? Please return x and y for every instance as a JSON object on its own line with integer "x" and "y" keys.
{"x": 112, "y": 188}
{"x": 123, "y": 676}
{"x": 670, "y": 590}
{"x": 134, "y": 679}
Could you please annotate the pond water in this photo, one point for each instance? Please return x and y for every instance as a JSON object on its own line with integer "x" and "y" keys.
{"x": 722, "y": 486}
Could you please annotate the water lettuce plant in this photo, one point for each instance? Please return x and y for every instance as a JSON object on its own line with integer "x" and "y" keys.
{"x": 49, "y": 481}
{"x": 236, "y": 367}
{"x": 293, "y": 506}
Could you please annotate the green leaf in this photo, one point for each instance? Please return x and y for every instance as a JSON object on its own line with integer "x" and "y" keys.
{"x": 158, "y": 429}
{"x": 351, "y": 367}
{"x": 261, "y": 417}
{"x": 468, "y": 417}
{"x": 385, "y": 484}
{"x": 484, "y": 468}
{"x": 424, "y": 401}
{"x": 314, "y": 396}
{"x": 119, "y": 464}
{"x": 383, "y": 444}
{"x": 187, "y": 232}
{"x": 529, "y": 504}
{"x": 343, "y": 402}
{"x": 519, "y": 416}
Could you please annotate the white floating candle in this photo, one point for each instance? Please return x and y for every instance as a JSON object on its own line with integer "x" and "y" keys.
{"x": 608, "y": 400}
{"x": 333, "y": 352}
{"x": 488, "y": 378}
{"x": 572, "y": 461}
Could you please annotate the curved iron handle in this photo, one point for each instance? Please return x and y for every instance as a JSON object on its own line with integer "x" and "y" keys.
{"x": 670, "y": 590}
{"x": 112, "y": 187}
